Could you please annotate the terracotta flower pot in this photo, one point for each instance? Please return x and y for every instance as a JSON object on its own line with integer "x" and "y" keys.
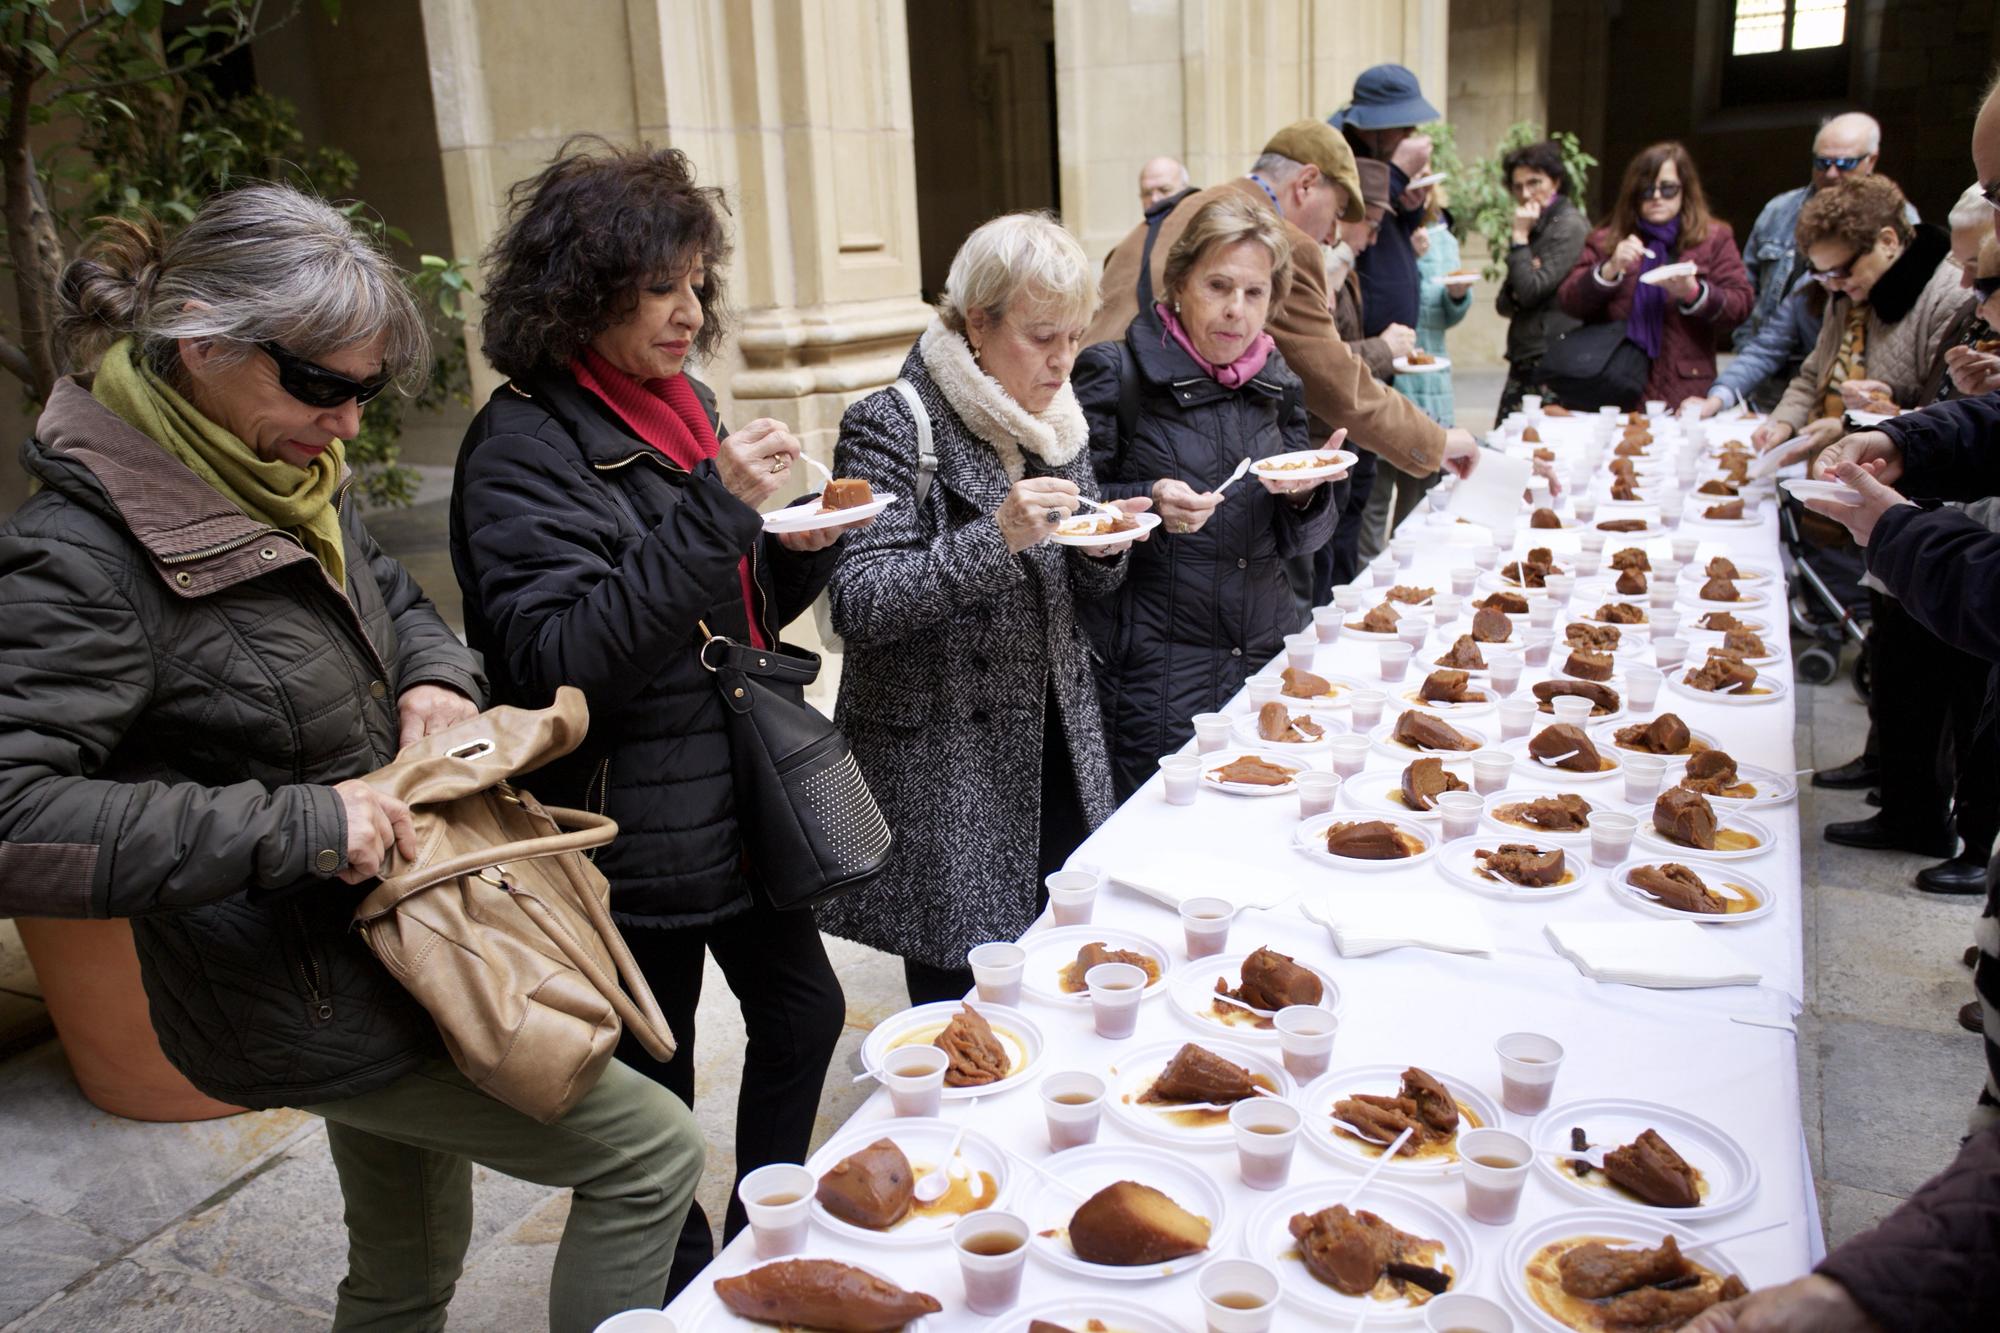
{"x": 89, "y": 973}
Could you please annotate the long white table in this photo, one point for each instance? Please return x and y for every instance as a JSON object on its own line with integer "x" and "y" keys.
{"x": 1726, "y": 1055}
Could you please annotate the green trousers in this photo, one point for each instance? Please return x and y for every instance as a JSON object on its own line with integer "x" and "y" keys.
{"x": 629, "y": 1152}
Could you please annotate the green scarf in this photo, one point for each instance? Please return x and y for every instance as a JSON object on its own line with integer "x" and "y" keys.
{"x": 294, "y": 500}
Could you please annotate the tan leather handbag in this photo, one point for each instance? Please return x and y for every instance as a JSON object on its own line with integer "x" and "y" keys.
{"x": 499, "y": 927}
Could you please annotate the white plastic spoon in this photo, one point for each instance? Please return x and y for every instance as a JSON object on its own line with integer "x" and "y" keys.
{"x": 937, "y": 1180}
{"x": 1368, "y": 1176}
{"x": 1234, "y": 477}
{"x": 1049, "y": 1176}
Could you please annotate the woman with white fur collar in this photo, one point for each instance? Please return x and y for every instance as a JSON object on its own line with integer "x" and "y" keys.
{"x": 968, "y": 689}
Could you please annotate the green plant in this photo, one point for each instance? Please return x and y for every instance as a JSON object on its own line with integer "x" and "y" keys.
{"x": 1445, "y": 158}
{"x": 1482, "y": 201}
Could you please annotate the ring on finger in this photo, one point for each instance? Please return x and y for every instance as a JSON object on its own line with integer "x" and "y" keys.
{"x": 780, "y": 463}
{"x": 1055, "y": 516}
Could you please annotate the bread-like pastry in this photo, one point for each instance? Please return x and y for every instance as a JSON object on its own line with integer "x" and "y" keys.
{"x": 1126, "y": 1224}
{"x": 872, "y": 1188}
{"x": 1678, "y": 887}
{"x": 977, "y": 1057}
{"x": 1555, "y": 410}
{"x": 1650, "y": 1169}
{"x": 1632, "y": 446}
{"x": 1544, "y": 518}
{"x": 1410, "y": 596}
{"x": 1522, "y": 863}
{"x": 1596, "y": 638}
{"x": 1368, "y": 840}
{"x": 1564, "y": 813}
{"x": 1508, "y": 603}
{"x": 1720, "y": 620}
{"x": 1419, "y": 357}
{"x": 1586, "y": 665}
{"x": 1631, "y": 583}
{"x": 1715, "y": 486}
{"x": 1275, "y": 723}
{"x": 1621, "y": 613}
{"x": 1463, "y": 655}
{"x": 1728, "y": 509}
{"x": 1631, "y": 557}
{"x": 1720, "y": 590}
{"x": 1622, "y": 489}
{"x": 1566, "y": 746}
{"x": 1273, "y": 980}
{"x": 1449, "y": 687}
{"x": 1603, "y": 699}
{"x": 1299, "y": 684}
{"x": 1722, "y": 567}
{"x": 822, "y": 1293}
{"x": 1428, "y": 731}
{"x": 1665, "y": 734}
{"x": 1197, "y": 1074}
{"x": 1744, "y": 643}
{"x": 1531, "y": 436}
{"x": 1251, "y": 771}
{"x": 845, "y": 493}
{"x": 1622, "y": 525}
{"x": 1595, "y": 1271}
{"x": 1424, "y": 780}
{"x": 1379, "y": 620}
{"x": 1624, "y": 467}
{"x": 1722, "y": 675}
{"x": 1685, "y": 817}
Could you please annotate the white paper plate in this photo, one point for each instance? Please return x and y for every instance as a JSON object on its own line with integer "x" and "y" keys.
{"x": 1606, "y": 739}
{"x": 1729, "y": 1172}
{"x": 1316, "y": 1105}
{"x": 1461, "y": 866}
{"x": 1403, "y": 367}
{"x": 1267, "y": 1238}
{"x": 1612, "y": 1225}
{"x": 1311, "y": 840}
{"x": 1696, "y": 572}
{"x": 1133, "y": 1071}
{"x": 1379, "y": 791}
{"x": 1192, "y": 997}
{"x": 1338, "y": 461}
{"x": 712, "y": 1316}
{"x": 1395, "y": 749}
{"x": 1868, "y": 419}
{"x": 1595, "y": 594}
{"x": 1746, "y": 597}
{"x": 1805, "y": 488}
{"x": 1146, "y": 522}
{"x": 809, "y": 517}
{"x": 1221, "y": 758}
{"x": 1652, "y": 528}
{"x": 1462, "y": 279}
{"x": 1580, "y": 610}
{"x": 1762, "y": 628}
{"x": 1770, "y": 689}
{"x": 1342, "y": 687}
{"x": 1526, "y": 765}
{"x": 1050, "y": 951}
{"x": 1428, "y": 178}
{"x": 1410, "y": 698}
{"x": 1088, "y": 1170}
{"x": 1244, "y": 732}
{"x": 1668, "y": 272}
{"x": 1087, "y": 1311}
{"x": 1493, "y": 826}
{"x": 1753, "y": 516}
{"x": 1654, "y": 841}
{"x": 1773, "y": 788}
{"x": 925, "y": 1143}
{"x": 1720, "y": 880}
{"x": 1018, "y": 1033}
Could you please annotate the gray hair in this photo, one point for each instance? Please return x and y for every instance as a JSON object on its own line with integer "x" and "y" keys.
{"x": 1971, "y": 210}
{"x": 1855, "y": 120}
{"x": 265, "y": 263}
{"x": 1276, "y": 168}
{"x": 1019, "y": 256}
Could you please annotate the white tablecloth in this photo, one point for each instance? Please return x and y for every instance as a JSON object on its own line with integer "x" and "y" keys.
{"x": 1725, "y": 1054}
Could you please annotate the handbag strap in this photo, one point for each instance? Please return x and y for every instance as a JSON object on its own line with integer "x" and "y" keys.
{"x": 927, "y": 459}
{"x": 586, "y": 830}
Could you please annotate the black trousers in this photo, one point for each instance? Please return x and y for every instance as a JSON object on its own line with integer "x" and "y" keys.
{"x": 1521, "y": 380}
{"x": 1342, "y": 555}
{"x": 793, "y": 1011}
{"x": 1939, "y": 767}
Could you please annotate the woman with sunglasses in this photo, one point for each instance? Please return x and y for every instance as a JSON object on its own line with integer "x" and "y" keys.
{"x": 1661, "y": 217}
{"x": 201, "y": 652}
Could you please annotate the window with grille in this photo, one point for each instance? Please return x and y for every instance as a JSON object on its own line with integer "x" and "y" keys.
{"x": 1785, "y": 51}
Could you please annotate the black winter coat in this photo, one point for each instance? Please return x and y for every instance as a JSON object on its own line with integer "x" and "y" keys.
{"x": 587, "y": 557}
{"x": 1197, "y": 612}
{"x": 179, "y": 687}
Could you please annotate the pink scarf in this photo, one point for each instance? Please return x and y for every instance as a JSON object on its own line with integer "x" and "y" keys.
{"x": 1237, "y": 372}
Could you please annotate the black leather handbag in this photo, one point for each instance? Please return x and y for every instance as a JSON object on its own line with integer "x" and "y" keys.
{"x": 811, "y": 828}
{"x": 1595, "y": 365}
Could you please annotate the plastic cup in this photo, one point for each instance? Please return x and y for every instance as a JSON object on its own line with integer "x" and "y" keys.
{"x": 914, "y": 1076}
{"x": 1073, "y": 1105}
{"x": 1073, "y": 893}
{"x": 1487, "y": 556}
{"x": 1459, "y": 812}
{"x": 1365, "y": 707}
{"x": 1491, "y": 771}
{"x": 1667, "y": 571}
{"x": 1205, "y": 922}
{"x": 779, "y": 1202}
{"x": 1181, "y": 777}
{"x": 1642, "y": 687}
{"x": 1643, "y": 774}
{"x": 1404, "y": 548}
{"x": 996, "y": 971}
{"x": 1685, "y": 549}
{"x": 1529, "y": 1063}
{"x": 1656, "y": 407}
{"x": 1516, "y": 717}
{"x": 1542, "y": 612}
{"x": 1672, "y": 502}
{"x": 1267, "y": 1134}
{"x": 1585, "y": 507}
{"x": 1349, "y": 598}
{"x": 1662, "y": 591}
{"x": 638, "y": 1321}
{"x": 1412, "y": 630}
{"x": 1531, "y": 404}
{"x": 1503, "y": 669}
{"x": 1238, "y": 1295}
{"x": 1538, "y": 491}
{"x": 1326, "y": 623}
{"x": 1669, "y": 652}
{"x": 1262, "y": 689}
{"x": 1611, "y": 835}
{"x": 1463, "y": 577}
{"x": 1384, "y": 570}
{"x": 1496, "y": 1171}
{"x": 1571, "y": 708}
{"x": 1560, "y": 587}
{"x": 1316, "y": 791}
{"x": 1350, "y": 752}
{"x": 1444, "y": 608}
{"x": 1592, "y": 543}
{"x": 1115, "y": 992}
{"x": 1211, "y": 731}
{"x": 1460, "y": 1312}
{"x": 1394, "y": 659}
{"x": 1299, "y": 650}
{"x": 1535, "y": 646}
{"x": 1305, "y": 1037}
{"x": 992, "y": 1249}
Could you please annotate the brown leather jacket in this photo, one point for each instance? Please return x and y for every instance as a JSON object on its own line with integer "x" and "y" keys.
{"x": 1339, "y": 389}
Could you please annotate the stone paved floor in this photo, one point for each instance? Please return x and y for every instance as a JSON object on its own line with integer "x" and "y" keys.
{"x": 110, "y": 1225}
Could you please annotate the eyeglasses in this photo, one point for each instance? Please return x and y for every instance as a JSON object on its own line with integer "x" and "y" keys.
{"x": 1985, "y": 287}
{"x": 315, "y": 385}
{"x": 1838, "y": 163}
{"x": 1664, "y": 190}
{"x": 1823, "y": 276}
{"x": 1990, "y": 191}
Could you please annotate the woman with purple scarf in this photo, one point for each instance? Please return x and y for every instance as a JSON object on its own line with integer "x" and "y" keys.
{"x": 1195, "y": 388}
{"x": 1660, "y": 220}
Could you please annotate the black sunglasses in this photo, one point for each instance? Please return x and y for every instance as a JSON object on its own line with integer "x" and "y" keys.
{"x": 315, "y": 385}
{"x": 1664, "y": 190}
{"x": 1823, "y": 276}
{"x": 1837, "y": 163}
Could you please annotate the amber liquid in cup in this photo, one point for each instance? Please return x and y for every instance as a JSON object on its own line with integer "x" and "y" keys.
{"x": 1524, "y": 1098}
{"x": 1067, "y": 1134}
{"x": 1206, "y": 935}
{"x": 1240, "y": 1300}
{"x": 1492, "y": 1206}
{"x": 993, "y": 1244}
{"x": 1264, "y": 1171}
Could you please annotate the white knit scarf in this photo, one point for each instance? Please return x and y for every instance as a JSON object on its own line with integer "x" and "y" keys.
{"x": 1054, "y": 435}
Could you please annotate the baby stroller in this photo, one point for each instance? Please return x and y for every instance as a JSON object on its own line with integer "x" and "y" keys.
{"x": 1825, "y": 598}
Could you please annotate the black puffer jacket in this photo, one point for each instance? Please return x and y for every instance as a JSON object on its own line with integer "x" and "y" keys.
{"x": 1197, "y": 612}
{"x": 179, "y": 685}
{"x": 587, "y": 557}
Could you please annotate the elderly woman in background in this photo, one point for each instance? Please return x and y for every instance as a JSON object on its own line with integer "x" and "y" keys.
{"x": 1661, "y": 217}
{"x": 203, "y": 651}
{"x": 1208, "y": 601}
{"x": 1547, "y": 235}
{"x": 602, "y": 523}
{"x": 967, "y": 689}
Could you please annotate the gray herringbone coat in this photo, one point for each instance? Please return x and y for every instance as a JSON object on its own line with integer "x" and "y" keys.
{"x": 954, "y": 648}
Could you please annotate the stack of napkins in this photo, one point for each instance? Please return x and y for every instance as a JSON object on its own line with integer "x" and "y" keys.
{"x": 1663, "y": 954}
{"x": 1174, "y": 881}
{"x": 1365, "y": 923}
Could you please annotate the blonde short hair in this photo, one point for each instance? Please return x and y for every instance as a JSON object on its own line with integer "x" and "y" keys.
{"x": 1019, "y": 257}
{"x": 1224, "y": 221}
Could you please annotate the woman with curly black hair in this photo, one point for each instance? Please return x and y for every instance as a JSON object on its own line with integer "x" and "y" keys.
{"x": 601, "y": 518}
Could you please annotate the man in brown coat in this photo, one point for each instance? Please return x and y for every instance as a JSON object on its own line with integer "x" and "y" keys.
{"x": 1307, "y": 174}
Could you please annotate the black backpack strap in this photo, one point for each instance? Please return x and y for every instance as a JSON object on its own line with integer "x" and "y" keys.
{"x": 1128, "y": 393}
{"x": 1155, "y": 215}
